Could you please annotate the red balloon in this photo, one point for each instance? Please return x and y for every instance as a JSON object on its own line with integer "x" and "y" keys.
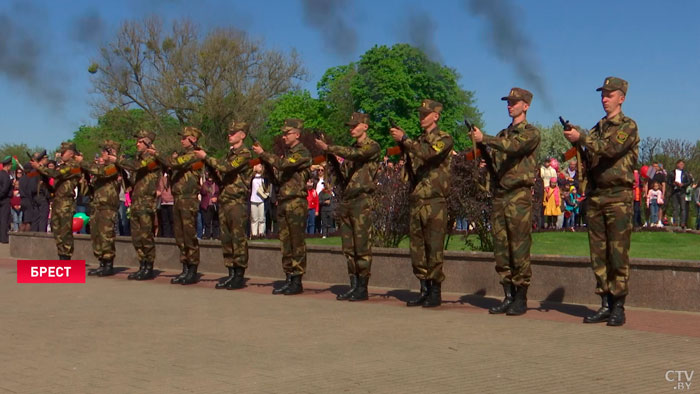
{"x": 643, "y": 171}
{"x": 77, "y": 224}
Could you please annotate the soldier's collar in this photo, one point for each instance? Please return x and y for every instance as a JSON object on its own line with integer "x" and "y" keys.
{"x": 434, "y": 130}
{"x": 520, "y": 125}
{"x": 616, "y": 120}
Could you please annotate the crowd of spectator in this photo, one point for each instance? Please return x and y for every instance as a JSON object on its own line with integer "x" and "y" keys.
{"x": 661, "y": 198}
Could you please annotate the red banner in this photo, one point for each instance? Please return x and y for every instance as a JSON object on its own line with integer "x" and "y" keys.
{"x": 50, "y": 271}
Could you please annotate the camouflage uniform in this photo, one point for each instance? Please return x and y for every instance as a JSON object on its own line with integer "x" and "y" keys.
{"x": 511, "y": 160}
{"x": 291, "y": 174}
{"x": 233, "y": 204}
{"x": 186, "y": 172}
{"x": 610, "y": 151}
{"x": 66, "y": 176}
{"x": 358, "y": 183}
{"x": 429, "y": 163}
{"x": 105, "y": 203}
{"x": 145, "y": 175}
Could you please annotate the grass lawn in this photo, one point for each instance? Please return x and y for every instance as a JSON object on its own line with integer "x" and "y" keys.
{"x": 657, "y": 244}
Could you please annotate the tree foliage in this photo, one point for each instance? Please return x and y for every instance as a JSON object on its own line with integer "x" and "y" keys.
{"x": 204, "y": 80}
{"x": 390, "y": 82}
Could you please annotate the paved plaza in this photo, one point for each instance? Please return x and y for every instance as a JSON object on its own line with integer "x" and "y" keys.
{"x": 111, "y": 335}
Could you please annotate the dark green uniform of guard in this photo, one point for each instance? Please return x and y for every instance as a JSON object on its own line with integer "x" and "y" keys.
{"x": 145, "y": 175}
{"x": 104, "y": 204}
{"x": 610, "y": 150}
{"x": 357, "y": 182}
{"x": 429, "y": 168}
{"x": 66, "y": 178}
{"x": 291, "y": 173}
{"x": 235, "y": 175}
{"x": 186, "y": 171}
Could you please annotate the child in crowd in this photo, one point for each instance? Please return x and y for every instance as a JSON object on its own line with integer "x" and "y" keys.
{"x": 655, "y": 199}
{"x": 571, "y": 201}
{"x": 552, "y": 203}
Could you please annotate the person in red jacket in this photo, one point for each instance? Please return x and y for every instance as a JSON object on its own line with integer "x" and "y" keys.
{"x": 312, "y": 200}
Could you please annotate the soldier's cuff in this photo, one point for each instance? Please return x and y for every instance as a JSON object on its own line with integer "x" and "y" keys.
{"x": 581, "y": 139}
{"x": 486, "y": 139}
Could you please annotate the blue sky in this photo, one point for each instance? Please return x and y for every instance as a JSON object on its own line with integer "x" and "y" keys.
{"x": 570, "y": 47}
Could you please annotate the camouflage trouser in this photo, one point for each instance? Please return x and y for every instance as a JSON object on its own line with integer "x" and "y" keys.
{"x": 185, "y": 227}
{"x": 233, "y": 218}
{"x": 142, "y": 234}
{"x": 291, "y": 216}
{"x": 102, "y": 232}
{"x": 511, "y": 225}
{"x": 427, "y": 228}
{"x": 355, "y": 233}
{"x": 62, "y": 212}
{"x": 609, "y": 232}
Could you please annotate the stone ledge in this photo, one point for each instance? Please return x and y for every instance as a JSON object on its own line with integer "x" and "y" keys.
{"x": 654, "y": 283}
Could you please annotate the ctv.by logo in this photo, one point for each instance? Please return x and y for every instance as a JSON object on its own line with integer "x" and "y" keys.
{"x": 680, "y": 379}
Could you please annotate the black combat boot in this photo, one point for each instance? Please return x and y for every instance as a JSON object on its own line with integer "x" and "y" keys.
{"x": 424, "y": 289}
{"x": 503, "y": 306}
{"x": 360, "y": 293}
{"x": 617, "y": 314}
{"x": 137, "y": 274}
{"x": 347, "y": 294}
{"x": 295, "y": 286}
{"x": 434, "y": 295}
{"x": 191, "y": 277}
{"x": 224, "y": 284}
{"x": 287, "y": 282}
{"x": 238, "y": 281}
{"x": 98, "y": 270}
{"x": 519, "y": 305}
{"x": 603, "y": 314}
{"x": 147, "y": 272}
{"x": 108, "y": 269}
{"x": 178, "y": 279}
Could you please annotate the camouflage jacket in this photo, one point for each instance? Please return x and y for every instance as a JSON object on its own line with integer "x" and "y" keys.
{"x": 359, "y": 168}
{"x": 235, "y": 175}
{"x": 66, "y": 177}
{"x": 611, "y": 151}
{"x": 430, "y": 158}
{"x": 145, "y": 175}
{"x": 186, "y": 169}
{"x": 291, "y": 171}
{"x": 105, "y": 183}
{"x": 511, "y": 158}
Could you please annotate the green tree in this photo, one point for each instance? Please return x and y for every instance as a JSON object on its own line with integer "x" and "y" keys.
{"x": 20, "y": 151}
{"x": 120, "y": 125}
{"x": 391, "y": 82}
{"x": 553, "y": 143}
{"x": 296, "y": 104}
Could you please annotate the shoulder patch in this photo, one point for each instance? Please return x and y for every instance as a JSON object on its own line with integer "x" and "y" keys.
{"x": 294, "y": 158}
{"x": 438, "y": 146}
{"x": 64, "y": 170}
{"x": 197, "y": 165}
{"x": 621, "y": 136}
{"x": 110, "y": 170}
{"x": 183, "y": 159}
{"x": 237, "y": 161}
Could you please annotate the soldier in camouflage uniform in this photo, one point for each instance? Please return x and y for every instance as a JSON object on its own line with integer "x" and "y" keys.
{"x": 186, "y": 170}
{"x": 610, "y": 151}
{"x": 428, "y": 170}
{"x": 291, "y": 174}
{"x": 356, "y": 179}
{"x": 66, "y": 176}
{"x": 510, "y": 159}
{"x": 105, "y": 203}
{"x": 145, "y": 174}
{"x": 235, "y": 177}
